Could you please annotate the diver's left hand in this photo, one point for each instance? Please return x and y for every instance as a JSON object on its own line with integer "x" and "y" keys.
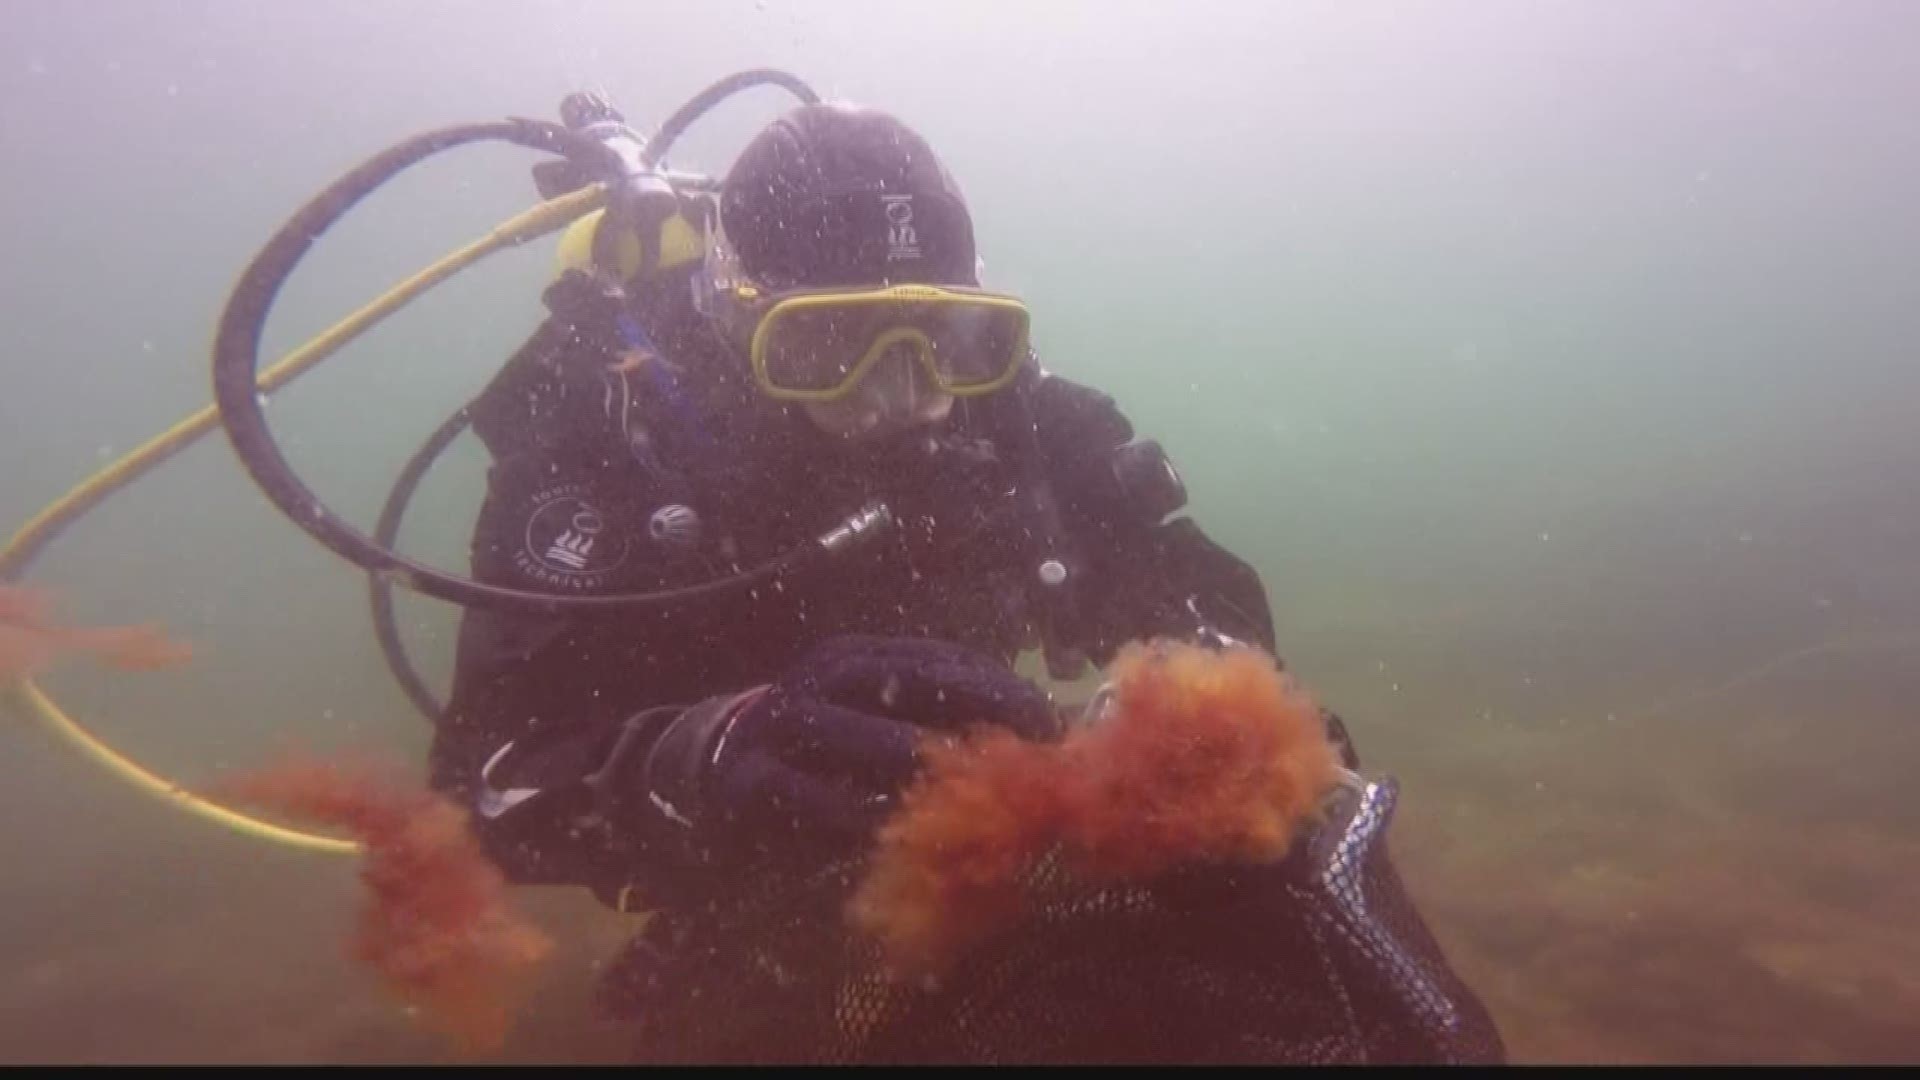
{"x": 803, "y": 771}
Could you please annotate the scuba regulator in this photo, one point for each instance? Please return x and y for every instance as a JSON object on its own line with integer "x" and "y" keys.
{"x": 599, "y": 163}
{"x": 621, "y": 174}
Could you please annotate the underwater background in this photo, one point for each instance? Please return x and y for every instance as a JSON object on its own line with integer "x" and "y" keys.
{"x": 1554, "y": 362}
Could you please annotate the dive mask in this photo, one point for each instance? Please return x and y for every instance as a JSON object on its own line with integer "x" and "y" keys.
{"x": 818, "y": 346}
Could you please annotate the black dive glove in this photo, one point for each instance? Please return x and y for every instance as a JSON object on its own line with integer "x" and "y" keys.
{"x": 797, "y": 775}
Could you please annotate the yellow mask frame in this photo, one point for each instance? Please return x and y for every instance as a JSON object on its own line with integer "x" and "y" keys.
{"x": 770, "y": 312}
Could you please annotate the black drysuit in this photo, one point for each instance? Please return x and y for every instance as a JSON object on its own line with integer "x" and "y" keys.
{"x": 611, "y": 477}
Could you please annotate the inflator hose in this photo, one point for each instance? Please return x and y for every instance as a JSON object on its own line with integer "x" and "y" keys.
{"x": 236, "y": 359}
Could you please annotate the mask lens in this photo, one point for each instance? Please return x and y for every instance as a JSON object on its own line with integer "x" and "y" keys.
{"x": 974, "y": 344}
{"x": 815, "y": 349}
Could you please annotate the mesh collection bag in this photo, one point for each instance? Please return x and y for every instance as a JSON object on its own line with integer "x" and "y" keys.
{"x": 1319, "y": 958}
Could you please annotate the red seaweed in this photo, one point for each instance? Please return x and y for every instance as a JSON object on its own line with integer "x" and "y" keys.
{"x": 1206, "y": 756}
{"x": 436, "y": 925}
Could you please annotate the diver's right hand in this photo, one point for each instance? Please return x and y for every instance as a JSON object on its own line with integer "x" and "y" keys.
{"x": 799, "y": 774}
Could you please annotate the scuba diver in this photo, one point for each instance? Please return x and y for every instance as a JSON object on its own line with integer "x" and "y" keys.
{"x": 779, "y": 490}
{"x": 825, "y": 345}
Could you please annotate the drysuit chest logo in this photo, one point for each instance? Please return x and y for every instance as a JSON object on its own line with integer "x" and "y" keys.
{"x": 569, "y": 543}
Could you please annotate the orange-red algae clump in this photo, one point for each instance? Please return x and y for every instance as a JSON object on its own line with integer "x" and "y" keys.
{"x": 436, "y": 925}
{"x": 1205, "y": 756}
{"x": 30, "y": 640}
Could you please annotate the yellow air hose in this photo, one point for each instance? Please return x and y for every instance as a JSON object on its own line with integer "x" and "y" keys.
{"x": 49, "y": 523}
